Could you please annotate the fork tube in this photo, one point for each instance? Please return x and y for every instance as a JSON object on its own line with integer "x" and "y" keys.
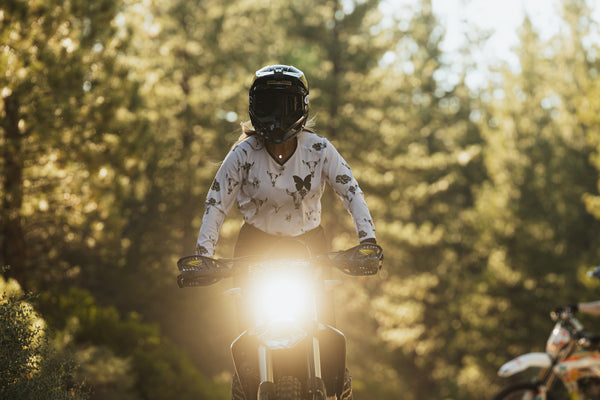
{"x": 265, "y": 366}
{"x": 317, "y": 357}
{"x": 316, "y": 352}
{"x": 550, "y": 374}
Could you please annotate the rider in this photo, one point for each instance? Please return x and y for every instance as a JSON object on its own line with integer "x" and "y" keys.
{"x": 590, "y": 307}
{"x": 277, "y": 172}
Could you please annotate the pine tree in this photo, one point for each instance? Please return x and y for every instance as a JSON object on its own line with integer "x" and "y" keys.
{"x": 434, "y": 168}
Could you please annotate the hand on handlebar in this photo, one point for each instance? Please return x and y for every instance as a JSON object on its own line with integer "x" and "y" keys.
{"x": 562, "y": 313}
{"x": 570, "y": 309}
{"x": 374, "y": 241}
{"x": 589, "y": 341}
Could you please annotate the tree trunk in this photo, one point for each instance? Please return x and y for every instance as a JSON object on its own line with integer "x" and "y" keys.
{"x": 12, "y": 239}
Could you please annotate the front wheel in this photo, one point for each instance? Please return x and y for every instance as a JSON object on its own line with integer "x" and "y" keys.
{"x": 288, "y": 388}
{"x": 347, "y": 390}
{"x": 522, "y": 391}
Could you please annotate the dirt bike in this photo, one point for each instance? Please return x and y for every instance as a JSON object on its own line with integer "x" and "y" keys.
{"x": 288, "y": 352}
{"x": 571, "y": 360}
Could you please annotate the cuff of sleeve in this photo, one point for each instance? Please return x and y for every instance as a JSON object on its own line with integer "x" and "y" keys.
{"x": 369, "y": 240}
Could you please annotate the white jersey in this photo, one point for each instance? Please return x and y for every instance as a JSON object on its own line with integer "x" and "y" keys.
{"x": 282, "y": 200}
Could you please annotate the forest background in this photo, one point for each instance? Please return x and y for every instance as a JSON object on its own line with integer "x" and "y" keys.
{"x": 115, "y": 115}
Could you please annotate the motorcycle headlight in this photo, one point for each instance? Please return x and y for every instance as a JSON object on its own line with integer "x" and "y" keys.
{"x": 281, "y": 292}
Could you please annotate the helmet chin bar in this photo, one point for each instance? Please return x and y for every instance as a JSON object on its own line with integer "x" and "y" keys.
{"x": 273, "y": 133}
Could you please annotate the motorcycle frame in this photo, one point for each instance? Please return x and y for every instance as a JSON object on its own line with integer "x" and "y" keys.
{"x": 561, "y": 367}
{"x": 255, "y": 359}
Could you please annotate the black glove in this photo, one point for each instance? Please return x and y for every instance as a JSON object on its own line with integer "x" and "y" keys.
{"x": 374, "y": 241}
{"x": 588, "y": 341}
{"x": 570, "y": 309}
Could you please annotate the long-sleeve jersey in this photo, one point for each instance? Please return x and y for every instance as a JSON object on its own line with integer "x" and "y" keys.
{"x": 282, "y": 200}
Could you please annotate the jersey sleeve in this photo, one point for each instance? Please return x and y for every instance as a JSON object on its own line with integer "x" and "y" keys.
{"x": 339, "y": 175}
{"x": 219, "y": 200}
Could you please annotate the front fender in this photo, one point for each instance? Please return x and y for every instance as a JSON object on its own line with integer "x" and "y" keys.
{"x": 280, "y": 336}
{"x": 521, "y": 363}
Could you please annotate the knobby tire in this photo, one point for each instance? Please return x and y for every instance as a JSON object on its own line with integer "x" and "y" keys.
{"x": 288, "y": 388}
{"x": 237, "y": 392}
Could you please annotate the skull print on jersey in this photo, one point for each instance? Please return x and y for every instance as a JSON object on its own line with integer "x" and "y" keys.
{"x": 280, "y": 199}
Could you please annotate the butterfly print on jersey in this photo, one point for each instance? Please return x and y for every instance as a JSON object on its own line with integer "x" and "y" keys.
{"x": 302, "y": 184}
{"x": 302, "y": 189}
{"x": 362, "y": 234}
{"x": 216, "y": 186}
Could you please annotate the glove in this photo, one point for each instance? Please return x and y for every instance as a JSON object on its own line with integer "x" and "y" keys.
{"x": 588, "y": 341}
{"x": 374, "y": 241}
{"x": 570, "y": 309}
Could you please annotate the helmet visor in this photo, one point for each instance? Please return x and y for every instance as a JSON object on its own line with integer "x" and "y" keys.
{"x": 285, "y": 106}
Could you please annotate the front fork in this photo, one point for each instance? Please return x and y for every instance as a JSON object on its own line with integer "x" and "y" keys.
{"x": 547, "y": 377}
{"x": 265, "y": 364}
{"x": 316, "y": 386}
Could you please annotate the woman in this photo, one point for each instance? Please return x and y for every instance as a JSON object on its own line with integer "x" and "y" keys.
{"x": 277, "y": 173}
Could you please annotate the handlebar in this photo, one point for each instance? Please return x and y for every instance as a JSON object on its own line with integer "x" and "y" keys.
{"x": 567, "y": 317}
{"x": 362, "y": 260}
{"x": 588, "y": 340}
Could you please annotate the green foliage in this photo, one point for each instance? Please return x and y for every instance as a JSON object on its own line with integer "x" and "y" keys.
{"x": 29, "y": 366}
{"x": 150, "y": 366}
{"x": 115, "y": 115}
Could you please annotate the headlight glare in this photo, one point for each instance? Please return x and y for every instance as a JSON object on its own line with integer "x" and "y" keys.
{"x": 281, "y": 294}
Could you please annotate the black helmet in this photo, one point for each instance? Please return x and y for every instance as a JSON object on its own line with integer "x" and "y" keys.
{"x": 595, "y": 273}
{"x": 278, "y": 102}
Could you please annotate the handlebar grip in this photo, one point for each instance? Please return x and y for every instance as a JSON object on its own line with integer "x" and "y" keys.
{"x": 362, "y": 260}
{"x": 196, "y": 278}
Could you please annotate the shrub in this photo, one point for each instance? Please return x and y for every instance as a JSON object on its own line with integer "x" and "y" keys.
{"x": 29, "y": 368}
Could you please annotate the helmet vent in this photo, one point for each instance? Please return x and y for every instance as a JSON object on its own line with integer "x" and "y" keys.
{"x": 282, "y": 82}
